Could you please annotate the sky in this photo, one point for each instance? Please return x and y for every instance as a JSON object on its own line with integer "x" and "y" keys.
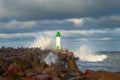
{"x": 81, "y": 22}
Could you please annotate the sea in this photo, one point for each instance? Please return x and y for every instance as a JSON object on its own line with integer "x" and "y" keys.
{"x": 111, "y": 63}
{"x": 89, "y": 58}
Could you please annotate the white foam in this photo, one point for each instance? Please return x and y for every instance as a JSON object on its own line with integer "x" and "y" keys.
{"x": 86, "y": 54}
{"x": 42, "y": 41}
{"x": 51, "y": 58}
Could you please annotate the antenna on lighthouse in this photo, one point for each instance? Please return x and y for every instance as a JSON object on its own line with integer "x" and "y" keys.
{"x": 58, "y": 36}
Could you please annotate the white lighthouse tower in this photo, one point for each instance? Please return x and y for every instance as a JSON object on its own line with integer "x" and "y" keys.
{"x": 58, "y": 36}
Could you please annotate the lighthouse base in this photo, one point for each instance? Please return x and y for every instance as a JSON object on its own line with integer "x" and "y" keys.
{"x": 57, "y": 47}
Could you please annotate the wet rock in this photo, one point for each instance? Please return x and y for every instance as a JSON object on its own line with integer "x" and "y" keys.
{"x": 42, "y": 67}
{"x": 62, "y": 68}
{"x": 28, "y": 78}
{"x": 35, "y": 62}
{"x": 72, "y": 66}
{"x": 3, "y": 66}
{"x": 75, "y": 78}
{"x": 20, "y": 73}
{"x": 42, "y": 77}
{"x": 30, "y": 72}
{"x": 66, "y": 76}
{"x": 88, "y": 72}
{"x": 51, "y": 71}
{"x": 56, "y": 78}
{"x": 31, "y": 78}
{"x": 104, "y": 75}
{"x": 13, "y": 72}
{"x": 20, "y": 62}
{"x": 28, "y": 60}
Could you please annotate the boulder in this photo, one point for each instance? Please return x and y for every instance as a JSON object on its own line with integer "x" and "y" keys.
{"x": 72, "y": 66}
{"x": 66, "y": 76}
{"x": 88, "y": 72}
{"x": 51, "y": 71}
{"x": 14, "y": 68}
{"x": 61, "y": 68}
{"x": 35, "y": 62}
{"x": 20, "y": 62}
{"x": 42, "y": 67}
{"x": 104, "y": 75}
{"x": 75, "y": 78}
{"x": 30, "y": 72}
{"x": 42, "y": 77}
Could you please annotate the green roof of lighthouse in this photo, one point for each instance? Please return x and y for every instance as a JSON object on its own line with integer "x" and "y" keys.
{"x": 58, "y": 34}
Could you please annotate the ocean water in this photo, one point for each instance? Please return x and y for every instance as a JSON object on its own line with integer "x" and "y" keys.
{"x": 111, "y": 63}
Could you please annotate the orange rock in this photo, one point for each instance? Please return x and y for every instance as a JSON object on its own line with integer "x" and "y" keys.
{"x": 20, "y": 73}
{"x": 104, "y": 75}
{"x": 29, "y": 71}
{"x": 88, "y": 72}
{"x": 27, "y": 78}
{"x": 42, "y": 77}
{"x": 12, "y": 70}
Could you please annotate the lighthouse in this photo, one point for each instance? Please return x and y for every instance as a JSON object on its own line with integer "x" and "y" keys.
{"x": 58, "y": 36}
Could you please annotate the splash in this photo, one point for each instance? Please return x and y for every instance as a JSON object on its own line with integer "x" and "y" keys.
{"x": 86, "y": 54}
{"x": 42, "y": 41}
{"x": 51, "y": 58}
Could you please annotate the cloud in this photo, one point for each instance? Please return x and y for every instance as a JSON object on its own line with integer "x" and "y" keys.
{"x": 68, "y": 33}
{"x": 102, "y": 22}
{"x": 77, "y": 22}
{"x": 65, "y": 33}
{"x": 12, "y": 25}
{"x": 117, "y": 30}
{"x": 104, "y": 39}
{"x": 17, "y": 35}
{"x": 57, "y": 9}
{"x": 111, "y": 21}
{"x": 65, "y": 24}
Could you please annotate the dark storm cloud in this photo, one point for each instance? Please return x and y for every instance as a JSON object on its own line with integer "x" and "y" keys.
{"x": 65, "y": 24}
{"x": 57, "y": 9}
{"x": 102, "y": 22}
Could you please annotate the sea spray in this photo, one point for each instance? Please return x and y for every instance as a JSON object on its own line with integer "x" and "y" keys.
{"x": 51, "y": 58}
{"x": 85, "y": 53}
{"x": 44, "y": 42}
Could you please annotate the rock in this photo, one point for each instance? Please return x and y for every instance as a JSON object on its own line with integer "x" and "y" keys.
{"x": 28, "y": 78}
{"x": 42, "y": 77}
{"x": 4, "y": 66}
{"x": 66, "y": 76}
{"x": 55, "y": 78}
{"x": 20, "y": 74}
{"x": 51, "y": 71}
{"x": 14, "y": 72}
{"x": 35, "y": 62}
{"x": 53, "y": 66}
{"x": 13, "y": 69}
{"x": 88, "y": 72}
{"x": 104, "y": 75}
{"x": 62, "y": 68}
{"x": 30, "y": 72}
{"x": 20, "y": 62}
{"x": 42, "y": 67}
{"x": 72, "y": 66}
{"x": 75, "y": 78}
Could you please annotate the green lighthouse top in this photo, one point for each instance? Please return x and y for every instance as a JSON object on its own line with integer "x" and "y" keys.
{"x": 58, "y": 34}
